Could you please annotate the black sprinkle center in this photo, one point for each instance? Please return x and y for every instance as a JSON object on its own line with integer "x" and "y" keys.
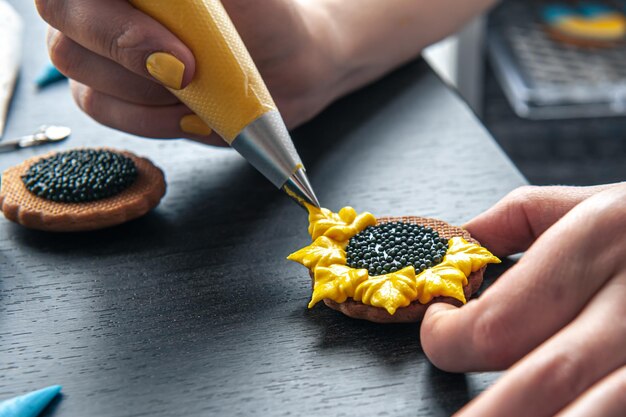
{"x": 389, "y": 247}
{"x": 80, "y": 176}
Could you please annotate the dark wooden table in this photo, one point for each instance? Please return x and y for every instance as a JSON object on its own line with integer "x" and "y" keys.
{"x": 193, "y": 310}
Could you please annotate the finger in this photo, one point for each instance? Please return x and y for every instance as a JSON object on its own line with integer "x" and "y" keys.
{"x": 116, "y": 30}
{"x": 102, "y": 74}
{"x": 517, "y": 220}
{"x": 156, "y": 122}
{"x": 537, "y": 297}
{"x": 605, "y": 399}
{"x": 566, "y": 365}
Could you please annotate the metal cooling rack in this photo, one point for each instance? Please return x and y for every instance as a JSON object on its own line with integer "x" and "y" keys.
{"x": 544, "y": 78}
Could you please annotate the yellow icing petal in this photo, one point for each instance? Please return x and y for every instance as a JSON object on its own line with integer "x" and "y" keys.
{"x": 322, "y": 252}
{"x": 336, "y": 282}
{"x": 443, "y": 280}
{"x": 345, "y": 232}
{"x": 468, "y": 257}
{"x": 390, "y": 291}
{"x": 347, "y": 214}
{"x": 338, "y": 226}
{"x": 448, "y": 278}
{"x": 321, "y": 220}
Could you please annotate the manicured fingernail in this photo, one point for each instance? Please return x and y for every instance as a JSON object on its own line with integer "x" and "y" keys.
{"x": 194, "y": 125}
{"x": 166, "y": 68}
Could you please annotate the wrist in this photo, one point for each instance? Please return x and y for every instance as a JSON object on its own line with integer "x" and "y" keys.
{"x": 319, "y": 64}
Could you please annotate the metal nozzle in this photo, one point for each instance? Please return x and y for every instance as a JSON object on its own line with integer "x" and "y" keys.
{"x": 299, "y": 188}
{"x": 267, "y": 145}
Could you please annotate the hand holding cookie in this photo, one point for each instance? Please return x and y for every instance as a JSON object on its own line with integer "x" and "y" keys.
{"x": 557, "y": 316}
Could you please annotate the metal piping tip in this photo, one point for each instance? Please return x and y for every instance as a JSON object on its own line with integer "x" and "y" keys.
{"x": 266, "y": 144}
{"x": 299, "y": 188}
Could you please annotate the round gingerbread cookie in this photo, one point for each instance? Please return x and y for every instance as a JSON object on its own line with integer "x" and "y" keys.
{"x": 389, "y": 269}
{"x": 80, "y": 190}
{"x": 415, "y": 311}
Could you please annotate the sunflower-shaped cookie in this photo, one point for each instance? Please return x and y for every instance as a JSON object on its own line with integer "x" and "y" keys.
{"x": 389, "y": 269}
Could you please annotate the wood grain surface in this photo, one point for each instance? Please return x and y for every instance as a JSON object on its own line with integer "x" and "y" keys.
{"x": 193, "y": 310}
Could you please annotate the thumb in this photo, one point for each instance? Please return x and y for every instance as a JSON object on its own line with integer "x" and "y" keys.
{"x": 517, "y": 220}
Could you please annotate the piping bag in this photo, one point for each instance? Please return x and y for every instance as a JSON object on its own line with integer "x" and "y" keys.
{"x": 228, "y": 93}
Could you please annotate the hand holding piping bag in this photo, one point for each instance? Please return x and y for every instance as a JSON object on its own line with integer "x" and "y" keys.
{"x": 122, "y": 62}
{"x": 224, "y": 89}
{"x": 227, "y": 91}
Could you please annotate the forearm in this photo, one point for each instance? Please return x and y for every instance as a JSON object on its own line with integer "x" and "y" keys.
{"x": 372, "y": 37}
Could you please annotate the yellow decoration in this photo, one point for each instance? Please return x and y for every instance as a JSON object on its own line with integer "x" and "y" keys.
{"x": 442, "y": 280}
{"x": 389, "y": 291}
{"x": 333, "y": 279}
{"x": 324, "y": 250}
{"x": 467, "y": 257}
{"x": 336, "y": 282}
{"x": 338, "y": 226}
{"x": 608, "y": 27}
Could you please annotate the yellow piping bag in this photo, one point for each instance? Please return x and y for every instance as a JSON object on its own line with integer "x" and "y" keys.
{"x": 228, "y": 93}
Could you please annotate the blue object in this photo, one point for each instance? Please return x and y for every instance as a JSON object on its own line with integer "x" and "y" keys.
{"x": 49, "y": 75}
{"x": 555, "y": 12}
{"x": 593, "y": 9}
{"x": 29, "y": 405}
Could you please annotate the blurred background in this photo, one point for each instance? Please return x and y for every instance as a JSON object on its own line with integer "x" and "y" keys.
{"x": 548, "y": 79}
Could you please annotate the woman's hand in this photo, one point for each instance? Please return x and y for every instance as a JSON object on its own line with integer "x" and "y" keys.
{"x": 558, "y": 317}
{"x": 105, "y": 46}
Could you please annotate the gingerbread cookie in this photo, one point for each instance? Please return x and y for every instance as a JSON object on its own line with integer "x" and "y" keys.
{"x": 389, "y": 269}
{"x": 80, "y": 190}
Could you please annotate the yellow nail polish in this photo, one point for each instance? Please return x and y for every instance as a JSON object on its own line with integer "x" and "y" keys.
{"x": 194, "y": 125}
{"x": 167, "y": 69}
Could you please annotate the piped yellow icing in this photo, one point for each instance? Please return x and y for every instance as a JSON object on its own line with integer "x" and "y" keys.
{"x": 338, "y": 226}
{"x": 390, "y": 291}
{"x": 335, "y": 280}
{"x": 323, "y": 250}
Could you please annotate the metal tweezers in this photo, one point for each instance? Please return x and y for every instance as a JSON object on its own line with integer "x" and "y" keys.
{"x": 45, "y": 134}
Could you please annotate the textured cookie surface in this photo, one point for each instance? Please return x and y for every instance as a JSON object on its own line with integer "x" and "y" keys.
{"x": 23, "y": 207}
